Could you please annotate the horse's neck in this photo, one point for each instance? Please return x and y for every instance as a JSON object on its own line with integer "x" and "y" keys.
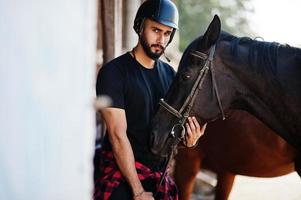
{"x": 274, "y": 97}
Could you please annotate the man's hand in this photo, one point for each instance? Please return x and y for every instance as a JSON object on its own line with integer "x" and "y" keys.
{"x": 144, "y": 196}
{"x": 193, "y": 132}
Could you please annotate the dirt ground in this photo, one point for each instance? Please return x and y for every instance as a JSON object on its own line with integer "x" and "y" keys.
{"x": 286, "y": 187}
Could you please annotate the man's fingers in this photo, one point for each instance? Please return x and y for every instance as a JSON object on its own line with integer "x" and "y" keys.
{"x": 191, "y": 124}
{"x": 188, "y": 129}
{"x": 203, "y": 127}
{"x": 196, "y": 123}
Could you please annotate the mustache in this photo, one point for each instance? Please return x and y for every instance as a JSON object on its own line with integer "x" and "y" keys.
{"x": 158, "y": 45}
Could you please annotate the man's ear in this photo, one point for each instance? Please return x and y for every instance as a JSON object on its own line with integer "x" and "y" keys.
{"x": 211, "y": 35}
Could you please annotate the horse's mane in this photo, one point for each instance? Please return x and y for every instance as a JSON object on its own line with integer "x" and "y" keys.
{"x": 262, "y": 56}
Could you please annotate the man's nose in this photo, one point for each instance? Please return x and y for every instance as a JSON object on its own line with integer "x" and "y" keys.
{"x": 161, "y": 39}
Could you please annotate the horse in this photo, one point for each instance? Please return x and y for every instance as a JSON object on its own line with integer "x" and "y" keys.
{"x": 219, "y": 72}
{"x": 242, "y": 145}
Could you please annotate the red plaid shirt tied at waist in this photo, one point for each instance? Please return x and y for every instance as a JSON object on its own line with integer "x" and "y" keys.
{"x": 111, "y": 177}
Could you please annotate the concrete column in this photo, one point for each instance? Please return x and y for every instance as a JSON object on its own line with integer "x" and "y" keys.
{"x": 47, "y": 66}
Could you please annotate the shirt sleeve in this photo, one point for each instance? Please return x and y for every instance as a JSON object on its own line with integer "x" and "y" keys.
{"x": 110, "y": 83}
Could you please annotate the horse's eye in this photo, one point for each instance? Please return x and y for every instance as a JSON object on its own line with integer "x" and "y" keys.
{"x": 185, "y": 77}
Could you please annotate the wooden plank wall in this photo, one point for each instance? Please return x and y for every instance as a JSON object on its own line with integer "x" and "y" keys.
{"x": 111, "y": 16}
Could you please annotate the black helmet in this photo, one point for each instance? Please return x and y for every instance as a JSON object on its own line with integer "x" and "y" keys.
{"x": 162, "y": 11}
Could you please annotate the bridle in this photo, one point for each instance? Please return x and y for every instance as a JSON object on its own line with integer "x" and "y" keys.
{"x": 185, "y": 109}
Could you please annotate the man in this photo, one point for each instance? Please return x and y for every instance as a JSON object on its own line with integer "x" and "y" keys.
{"x": 136, "y": 81}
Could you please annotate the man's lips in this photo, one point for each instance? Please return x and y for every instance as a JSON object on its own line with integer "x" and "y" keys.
{"x": 158, "y": 47}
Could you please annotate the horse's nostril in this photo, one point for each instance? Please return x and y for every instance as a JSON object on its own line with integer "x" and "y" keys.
{"x": 155, "y": 151}
{"x": 152, "y": 138}
{"x": 154, "y": 144}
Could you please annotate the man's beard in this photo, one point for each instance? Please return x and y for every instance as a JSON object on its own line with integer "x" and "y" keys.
{"x": 147, "y": 48}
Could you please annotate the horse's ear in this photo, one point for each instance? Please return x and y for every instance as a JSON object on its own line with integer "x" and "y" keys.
{"x": 211, "y": 35}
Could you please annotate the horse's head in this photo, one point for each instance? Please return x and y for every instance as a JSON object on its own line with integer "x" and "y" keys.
{"x": 196, "y": 91}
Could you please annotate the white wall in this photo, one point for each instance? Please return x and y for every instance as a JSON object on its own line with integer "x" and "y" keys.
{"x": 47, "y": 66}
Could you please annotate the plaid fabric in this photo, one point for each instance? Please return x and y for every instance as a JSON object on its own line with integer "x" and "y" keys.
{"x": 111, "y": 177}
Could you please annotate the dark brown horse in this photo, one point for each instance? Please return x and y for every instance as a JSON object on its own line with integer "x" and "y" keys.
{"x": 219, "y": 72}
{"x": 242, "y": 145}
